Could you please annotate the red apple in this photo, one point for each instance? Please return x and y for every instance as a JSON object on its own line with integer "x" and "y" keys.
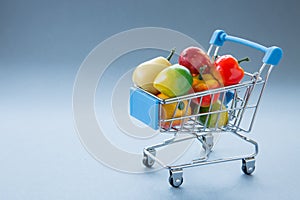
{"x": 194, "y": 58}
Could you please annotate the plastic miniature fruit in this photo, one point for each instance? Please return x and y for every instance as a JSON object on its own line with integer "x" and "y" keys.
{"x": 203, "y": 83}
{"x": 168, "y": 110}
{"x": 194, "y": 58}
{"x": 228, "y": 70}
{"x": 173, "y": 81}
{"x": 215, "y": 120}
{"x": 145, "y": 73}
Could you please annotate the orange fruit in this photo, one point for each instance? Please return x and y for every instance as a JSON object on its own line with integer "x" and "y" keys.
{"x": 168, "y": 109}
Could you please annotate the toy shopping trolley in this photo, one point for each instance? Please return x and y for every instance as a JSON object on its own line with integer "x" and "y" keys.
{"x": 232, "y": 113}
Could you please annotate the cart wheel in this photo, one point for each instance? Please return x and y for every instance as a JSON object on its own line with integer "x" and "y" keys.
{"x": 147, "y": 160}
{"x": 248, "y": 165}
{"x": 209, "y": 140}
{"x": 175, "y": 183}
{"x": 175, "y": 178}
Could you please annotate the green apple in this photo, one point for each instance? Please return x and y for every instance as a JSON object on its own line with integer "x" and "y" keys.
{"x": 174, "y": 81}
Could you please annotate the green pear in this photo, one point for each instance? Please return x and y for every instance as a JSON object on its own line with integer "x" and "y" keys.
{"x": 221, "y": 117}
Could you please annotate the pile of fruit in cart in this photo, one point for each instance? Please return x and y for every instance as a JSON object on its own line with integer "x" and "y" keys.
{"x": 195, "y": 72}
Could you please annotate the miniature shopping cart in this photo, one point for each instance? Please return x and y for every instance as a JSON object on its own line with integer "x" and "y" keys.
{"x": 241, "y": 102}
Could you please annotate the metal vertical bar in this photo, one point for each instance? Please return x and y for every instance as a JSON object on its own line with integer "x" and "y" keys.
{"x": 260, "y": 95}
{"x": 250, "y": 91}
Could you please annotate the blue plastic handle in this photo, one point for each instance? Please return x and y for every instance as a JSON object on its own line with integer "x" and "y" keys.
{"x": 272, "y": 54}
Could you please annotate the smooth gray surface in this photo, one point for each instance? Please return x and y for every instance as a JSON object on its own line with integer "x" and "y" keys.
{"x": 42, "y": 44}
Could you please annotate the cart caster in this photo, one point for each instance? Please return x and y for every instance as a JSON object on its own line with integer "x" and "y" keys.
{"x": 147, "y": 160}
{"x": 248, "y": 165}
{"x": 208, "y": 142}
{"x": 175, "y": 178}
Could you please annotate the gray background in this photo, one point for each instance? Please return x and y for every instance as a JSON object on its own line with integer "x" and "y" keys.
{"x": 43, "y": 43}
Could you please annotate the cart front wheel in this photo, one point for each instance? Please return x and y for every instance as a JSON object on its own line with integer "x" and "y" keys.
{"x": 248, "y": 165}
{"x": 175, "y": 178}
{"x": 175, "y": 183}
